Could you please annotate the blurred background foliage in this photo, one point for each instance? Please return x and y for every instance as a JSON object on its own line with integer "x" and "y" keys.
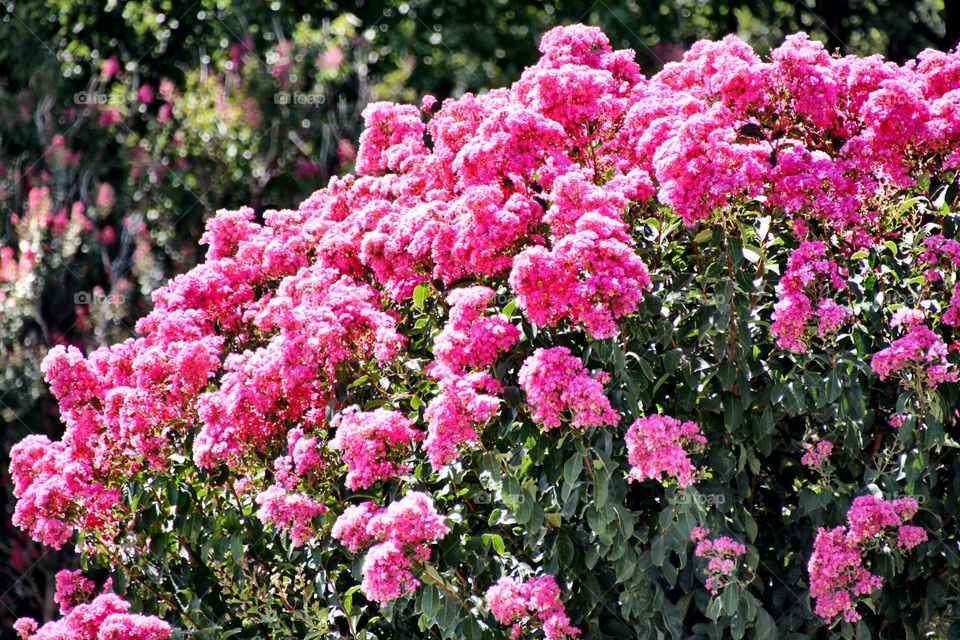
{"x": 124, "y": 124}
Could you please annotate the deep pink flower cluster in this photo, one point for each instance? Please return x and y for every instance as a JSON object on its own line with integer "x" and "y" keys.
{"x": 400, "y": 534}
{"x": 722, "y": 553}
{"x": 392, "y": 137}
{"x": 657, "y": 446}
{"x": 816, "y": 453}
{"x": 373, "y": 444}
{"x": 806, "y": 294}
{"x": 920, "y": 355}
{"x": 837, "y": 572}
{"x": 119, "y": 406}
{"x": 559, "y": 388}
{"x": 87, "y": 616}
{"x": 940, "y": 251}
{"x": 709, "y": 129}
{"x": 530, "y": 605}
{"x": 319, "y": 320}
{"x": 467, "y": 346}
{"x": 951, "y": 316}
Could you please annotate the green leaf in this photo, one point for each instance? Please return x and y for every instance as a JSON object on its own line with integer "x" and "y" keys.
{"x": 420, "y": 294}
{"x": 572, "y": 469}
{"x": 704, "y": 236}
{"x": 496, "y": 540}
{"x": 730, "y": 599}
{"x": 429, "y": 601}
{"x": 658, "y": 551}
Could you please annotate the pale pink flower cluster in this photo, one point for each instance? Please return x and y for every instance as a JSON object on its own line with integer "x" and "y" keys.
{"x": 920, "y": 355}
{"x": 722, "y": 554}
{"x": 559, "y": 388}
{"x": 806, "y": 295}
{"x": 351, "y": 527}
{"x": 657, "y": 447}
{"x": 816, "y": 453}
{"x": 400, "y": 534}
{"x": 87, "y": 616}
{"x": 373, "y": 444}
{"x": 837, "y": 572}
{"x": 530, "y": 606}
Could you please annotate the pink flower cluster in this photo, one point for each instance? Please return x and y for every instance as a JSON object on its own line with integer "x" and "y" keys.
{"x": 55, "y": 492}
{"x": 91, "y": 617}
{"x": 920, "y": 355}
{"x": 72, "y": 589}
{"x": 464, "y": 401}
{"x": 530, "y": 605}
{"x": 816, "y": 453}
{"x": 560, "y": 388}
{"x": 588, "y": 278}
{"x": 290, "y": 512}
{"x": 657, "y": 446}
{"x": 318, "y": 320}
{"x": 942, "y": 257}
{"x": 469, "y": 344}
{"x": 302, "y": 461}
{"x": 806, "y": 291}
{"x": 470, "y": 339}
{"x": 722, "y": 553}
{"x": 531, "y": 187}
{"x": 400, "y": 534}
{"x": 532, "y": 191}
{"x": 119, "y": 406}
{"x": 373, "y": 444}
{"x": 837, "y": 572}
{"x": 823, "y": 138}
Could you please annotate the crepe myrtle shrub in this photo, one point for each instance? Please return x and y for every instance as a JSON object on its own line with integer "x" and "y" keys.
{"x": 596, "y": 355}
